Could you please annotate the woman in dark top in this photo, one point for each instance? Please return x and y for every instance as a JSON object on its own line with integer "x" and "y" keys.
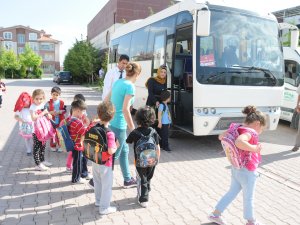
{"x": 155, "y": 86}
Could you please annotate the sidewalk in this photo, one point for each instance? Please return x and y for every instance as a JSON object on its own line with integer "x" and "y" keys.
{"x": 186, "y": 186}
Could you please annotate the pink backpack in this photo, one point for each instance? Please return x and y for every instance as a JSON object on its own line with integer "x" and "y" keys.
{"x": 43, "y": 129}
{"x": 237, "y": 157}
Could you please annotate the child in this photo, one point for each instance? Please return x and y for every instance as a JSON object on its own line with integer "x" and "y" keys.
{"x": 144, "y": 118}
{"x": 37, "y": 109}
{"x": 2, "y": 89}
{"x": 57, "y": 109}
{"x": 77, "y": 131}
{"x": 86, "y": 122}
{"x": 22, "y": 115}
{"x": 164, "y": 120}
{"x": 244, "y": 179}
{"x": 103, "y": 174}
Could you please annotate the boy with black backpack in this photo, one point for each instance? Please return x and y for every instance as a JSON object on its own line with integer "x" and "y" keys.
{"x": 99, "y": 147}
{"x": 146, "y": 151}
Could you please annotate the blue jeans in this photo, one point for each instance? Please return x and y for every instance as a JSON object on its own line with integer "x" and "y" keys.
{"x": 122, "y": 152}
{"x": 245, "y": 180}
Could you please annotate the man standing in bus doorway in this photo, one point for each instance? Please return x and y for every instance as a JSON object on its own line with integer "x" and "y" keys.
{"x": 297, "y": 144}
{"x": 114, "y": 74}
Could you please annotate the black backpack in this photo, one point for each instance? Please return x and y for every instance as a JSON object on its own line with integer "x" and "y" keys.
{"x": 95, "y": 144}
{"x": 145, "y": 150}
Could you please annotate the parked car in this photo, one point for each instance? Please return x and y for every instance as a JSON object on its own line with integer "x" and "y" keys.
{"x": 55, "y": 77}
{"x": 64, "y": 77}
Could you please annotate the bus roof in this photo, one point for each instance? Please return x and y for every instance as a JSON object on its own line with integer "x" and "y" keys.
{"x": 186, "y": 5}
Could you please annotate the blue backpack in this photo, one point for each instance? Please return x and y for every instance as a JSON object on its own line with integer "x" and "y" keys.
{"x": 145, "y": 149}
{"x": 65, "y": 140}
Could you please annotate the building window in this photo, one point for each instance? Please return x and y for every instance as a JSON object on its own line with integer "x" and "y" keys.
{"x": 20, "y": 50}
{"x": 34, "y": 46}
{"x": 8, "y": 45}
{"x": 47, "y": 46}
{"x": 21, "y": 38}
{"x": 48, "y": 68}
{"x": 32, "y": 36}
{"x": 48, "y": 57}
{"x": 7, "y": 35}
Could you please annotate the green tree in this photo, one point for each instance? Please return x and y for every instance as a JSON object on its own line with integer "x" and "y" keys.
{"x": 81, "y": 60}
{"x": 9, "y": 62}
{"x": 31, "y": 62}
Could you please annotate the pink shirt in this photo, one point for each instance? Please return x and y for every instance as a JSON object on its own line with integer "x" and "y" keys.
{"x": 111, "y": 143}
{"x": 252, "y": 158}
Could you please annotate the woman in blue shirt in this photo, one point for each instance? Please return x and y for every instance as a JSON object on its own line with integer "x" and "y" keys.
{"x": 122, "y": 96}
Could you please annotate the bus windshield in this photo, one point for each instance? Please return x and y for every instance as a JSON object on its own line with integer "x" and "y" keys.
{"x": 241, "y": 50}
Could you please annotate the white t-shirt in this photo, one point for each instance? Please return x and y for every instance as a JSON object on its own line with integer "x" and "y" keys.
{"x": 35, "y": 107}
{"x": 24, "y": 114}
{"x": 110, "y": 78}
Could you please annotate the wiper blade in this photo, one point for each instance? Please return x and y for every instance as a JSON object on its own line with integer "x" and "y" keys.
{"x": 219, "y": 74}
{"x": 267, "y": 73}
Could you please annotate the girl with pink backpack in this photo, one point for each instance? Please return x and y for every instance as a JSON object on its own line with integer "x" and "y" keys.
{"x": 243, "y": 177}
{"x": 43, "y": 129}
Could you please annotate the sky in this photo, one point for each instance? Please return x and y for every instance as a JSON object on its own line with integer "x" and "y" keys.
{"x": 67, "y": 20}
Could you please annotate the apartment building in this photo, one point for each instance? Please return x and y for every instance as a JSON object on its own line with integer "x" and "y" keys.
{"x": 117, "y": 12}
{"x": 17, "y": 37}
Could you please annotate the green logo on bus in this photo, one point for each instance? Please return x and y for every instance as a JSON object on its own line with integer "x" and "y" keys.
{"x": 289, "y": 96}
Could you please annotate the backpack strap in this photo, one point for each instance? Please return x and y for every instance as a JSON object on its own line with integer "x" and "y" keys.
{"x": 138, "y": 133}
{"x": 164, "y": 107}
{"x": 68, "y": 124}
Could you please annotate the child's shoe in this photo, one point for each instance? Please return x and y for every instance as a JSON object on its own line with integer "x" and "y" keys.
{"x": 108, "y": 210}
{"x": 53, "y": 149}
{"x": 45, "y": 163}
{"x": 143, "y": 204}
{"x": 91, "y": 184}
{"x": 295, "y": 148}
{"x": 255, "y": 222}
{"x": 59, "y": 150}
{"x": 130, "y": 183}
{"x": 69, "y": 170}
{"x": 88, "y": 177}
{"x": 80, "y": 181}
{"x": 216, "y": 219}
{"x": 41, "y": 167}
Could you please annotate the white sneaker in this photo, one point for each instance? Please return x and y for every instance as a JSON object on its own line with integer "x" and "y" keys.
{"x": 108, "y": 210}
{"x": 41, "y": 167}
{"x": 69, "y": 170}
{"x": 59, "y": 150}
{"x": 143, "y": 204}
{"x": 45, "y": 163}
{"x": 81, "y": 181}
{"x": 88, "y": 177}
{"x": 216, "y": 219}
{"x": 53, "y": 149}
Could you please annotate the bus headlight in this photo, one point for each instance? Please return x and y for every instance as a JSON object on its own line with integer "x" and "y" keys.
{"x": 205, "y": 110}
{"x": 198, "y": 110}
{"x": 205, "y": 124}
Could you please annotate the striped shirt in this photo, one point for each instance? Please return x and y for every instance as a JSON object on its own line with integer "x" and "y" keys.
{"x": 77, "y": 130}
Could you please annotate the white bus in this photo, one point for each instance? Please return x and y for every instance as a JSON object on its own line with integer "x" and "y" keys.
{"x": 291, "y": 57}
{"x": 219, "y": 60}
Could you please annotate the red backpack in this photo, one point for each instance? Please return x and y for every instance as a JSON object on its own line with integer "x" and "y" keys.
{"x": 61, "y": 107}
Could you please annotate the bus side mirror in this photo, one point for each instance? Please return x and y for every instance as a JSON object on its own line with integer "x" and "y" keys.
{"x": 203, "y": 22}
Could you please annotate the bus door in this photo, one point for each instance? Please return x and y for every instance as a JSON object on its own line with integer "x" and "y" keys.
{"x": 182, "y": 79}
{"x": 159, "y": 51}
